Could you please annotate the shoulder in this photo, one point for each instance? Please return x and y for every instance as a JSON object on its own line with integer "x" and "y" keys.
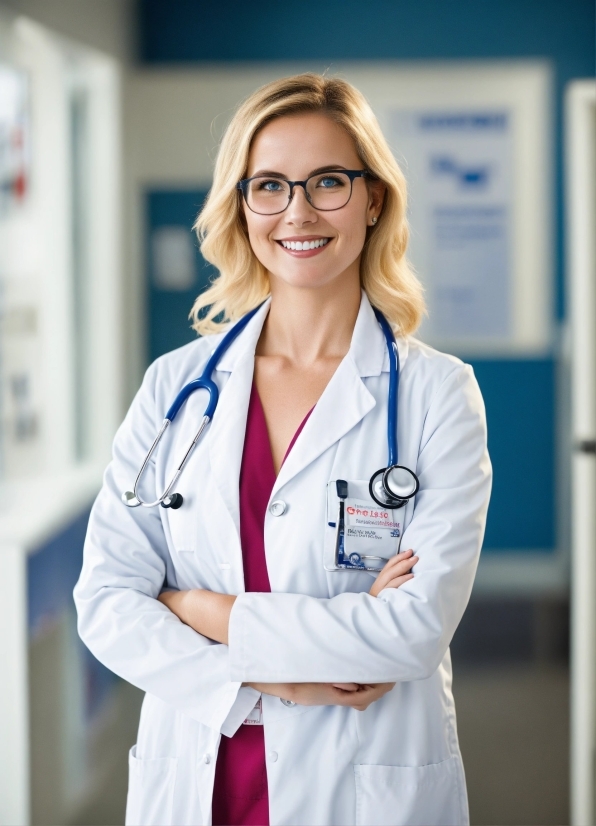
{"x": 428, "y": 364}
{"x": 185, "y": 360}
{"x": 169, "y": 373}
{"x": 433, "y": 374}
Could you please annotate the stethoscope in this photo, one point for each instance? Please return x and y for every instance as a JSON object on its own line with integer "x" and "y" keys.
{"x": 390, "y": 487}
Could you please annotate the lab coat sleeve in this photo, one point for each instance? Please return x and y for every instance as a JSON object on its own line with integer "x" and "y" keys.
{"x": 125, "y": 564}
{"x": 403, "y": 634}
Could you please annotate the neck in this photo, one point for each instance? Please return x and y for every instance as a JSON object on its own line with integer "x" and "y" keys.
{"x": 306, "y": 324}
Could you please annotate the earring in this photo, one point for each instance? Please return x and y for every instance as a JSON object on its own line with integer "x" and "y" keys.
{"x": 373, "y": 220}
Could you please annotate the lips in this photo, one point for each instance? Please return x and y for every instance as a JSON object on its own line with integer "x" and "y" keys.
{"x": 304, "y": 245}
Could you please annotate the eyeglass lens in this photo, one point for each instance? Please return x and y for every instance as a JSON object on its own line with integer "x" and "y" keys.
{"x": 326, "y": 191}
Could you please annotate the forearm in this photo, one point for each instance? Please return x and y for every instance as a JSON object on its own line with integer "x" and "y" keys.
{"x": 208, "y": 613}
{"x": 205, "y": 612}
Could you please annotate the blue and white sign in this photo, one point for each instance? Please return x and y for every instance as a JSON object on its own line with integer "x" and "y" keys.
{"x": 459, "y": 169}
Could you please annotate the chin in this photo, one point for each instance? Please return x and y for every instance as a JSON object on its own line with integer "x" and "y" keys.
{"x": 303, "y": 281}
{"x": 304, "y": 277}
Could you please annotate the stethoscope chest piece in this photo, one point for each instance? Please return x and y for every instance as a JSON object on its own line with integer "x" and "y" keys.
{"x": 393, "y": 486}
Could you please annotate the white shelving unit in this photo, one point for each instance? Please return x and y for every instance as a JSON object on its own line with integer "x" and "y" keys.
{"x": 60, "y": 340}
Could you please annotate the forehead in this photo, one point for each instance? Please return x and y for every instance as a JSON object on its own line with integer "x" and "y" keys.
{"x": 297, "y": 144}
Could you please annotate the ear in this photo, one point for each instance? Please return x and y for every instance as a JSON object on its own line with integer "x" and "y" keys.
{"x": 376, "y": 197}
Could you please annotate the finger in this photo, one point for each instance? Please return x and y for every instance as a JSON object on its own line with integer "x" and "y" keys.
{"x": 392, "y": 566}
{"x": 392, "y": 579}
{"x": 399, "y": 570}
{"x": 399, "y": 580}
{"x": 348, "y": 698}
{"x": 346, "y": 686}
{"x": 398, "y": 564}
{"x": 395, "y": 560}
{"x": 404, "y": 566}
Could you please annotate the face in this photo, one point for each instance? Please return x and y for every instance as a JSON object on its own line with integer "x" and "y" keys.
{"x": 294, "y": 147}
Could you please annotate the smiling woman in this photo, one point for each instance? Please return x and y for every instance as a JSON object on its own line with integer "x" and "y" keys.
{"x": 331, "y": 115}
{"x": 271, "y": 615}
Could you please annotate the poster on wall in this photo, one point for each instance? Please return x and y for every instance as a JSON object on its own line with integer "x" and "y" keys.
{"x": 458, "y": 164}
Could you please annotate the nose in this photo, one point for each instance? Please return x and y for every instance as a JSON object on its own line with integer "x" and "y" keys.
{"x": 299, "y": 210}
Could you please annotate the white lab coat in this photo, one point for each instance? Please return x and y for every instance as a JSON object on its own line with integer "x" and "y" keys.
{"x": 398, "y": 762}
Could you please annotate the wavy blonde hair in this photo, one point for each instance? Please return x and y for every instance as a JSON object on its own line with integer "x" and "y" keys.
{"x": 243, "y": 282}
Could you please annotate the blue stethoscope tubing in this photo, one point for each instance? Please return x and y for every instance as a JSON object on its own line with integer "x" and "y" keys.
{"x": 204, "y": 382}
{"x": 382, "y": 490}
{"x": 393, "y": 395}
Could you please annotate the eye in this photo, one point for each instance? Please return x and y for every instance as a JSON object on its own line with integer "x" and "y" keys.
{"x": 270, "y": 185}
{"x": 330, "y": 182}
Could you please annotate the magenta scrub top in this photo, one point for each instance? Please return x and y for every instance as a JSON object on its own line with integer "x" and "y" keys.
{"x": 240, "y": 796}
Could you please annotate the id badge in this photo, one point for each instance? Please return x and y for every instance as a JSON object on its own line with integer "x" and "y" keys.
{"x": 369, "y": 536}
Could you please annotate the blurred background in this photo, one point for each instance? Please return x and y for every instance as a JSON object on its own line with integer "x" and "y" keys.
{"x": 110, "y": 115}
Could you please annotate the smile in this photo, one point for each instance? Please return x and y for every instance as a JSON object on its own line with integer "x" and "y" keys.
{"x": 305, "y": 245}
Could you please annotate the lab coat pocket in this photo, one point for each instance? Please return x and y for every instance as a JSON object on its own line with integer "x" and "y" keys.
{"x": 150, "y": 790}
{"x": 429, "y": 795}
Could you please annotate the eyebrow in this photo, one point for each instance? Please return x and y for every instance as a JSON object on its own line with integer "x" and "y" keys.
{"x": 267, "y": 173}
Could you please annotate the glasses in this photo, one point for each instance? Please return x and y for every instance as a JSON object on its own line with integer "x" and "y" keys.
{"x": 325, "y": 191}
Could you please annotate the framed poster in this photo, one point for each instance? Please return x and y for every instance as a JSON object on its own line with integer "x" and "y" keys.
{"x": 459, "y": 169}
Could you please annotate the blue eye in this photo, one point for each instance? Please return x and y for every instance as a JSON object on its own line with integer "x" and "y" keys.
{"x": 330, "y": 182}
{"x": 271, "y": 186}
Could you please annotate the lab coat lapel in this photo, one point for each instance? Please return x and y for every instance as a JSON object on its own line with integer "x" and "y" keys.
{"x": 345, "y": 401}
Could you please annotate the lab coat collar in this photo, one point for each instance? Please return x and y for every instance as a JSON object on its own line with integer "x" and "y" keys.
{"x": 246, "y": 343}
{"x": 367, "y": 349}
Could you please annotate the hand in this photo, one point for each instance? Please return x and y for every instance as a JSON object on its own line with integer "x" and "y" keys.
{"x": 395, "y": 573}
{"x": 326, "y": 694}
{"x": 206, "y": 612}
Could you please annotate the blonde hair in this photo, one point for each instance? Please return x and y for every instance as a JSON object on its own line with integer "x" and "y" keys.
{"x": 242, "y": 282}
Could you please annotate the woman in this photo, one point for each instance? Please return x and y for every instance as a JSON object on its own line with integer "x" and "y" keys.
{"x": 282, "y": 688}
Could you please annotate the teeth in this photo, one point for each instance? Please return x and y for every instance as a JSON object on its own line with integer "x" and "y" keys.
{"x": 305, "y": 245}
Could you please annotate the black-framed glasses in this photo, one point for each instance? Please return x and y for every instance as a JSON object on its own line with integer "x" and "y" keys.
{"x": 325, "y": 191}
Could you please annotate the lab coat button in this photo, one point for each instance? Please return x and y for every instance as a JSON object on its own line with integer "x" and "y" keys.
{"x": 207, "y": 759}
{"x": 278, "y": 508}
{"x": 273, "y": 756}
{"x": 288, "y": 703}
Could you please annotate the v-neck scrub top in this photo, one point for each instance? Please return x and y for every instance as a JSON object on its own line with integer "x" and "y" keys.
{"x": 240, "y": 795}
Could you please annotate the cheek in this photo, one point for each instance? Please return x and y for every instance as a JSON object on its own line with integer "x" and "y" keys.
{"x": 352, "y": 224}
{"x": 259, "y": 236}
{"x": 353, "y": 234}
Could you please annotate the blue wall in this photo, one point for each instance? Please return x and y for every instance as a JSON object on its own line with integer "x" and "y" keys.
{"x": 169, "y": 326}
